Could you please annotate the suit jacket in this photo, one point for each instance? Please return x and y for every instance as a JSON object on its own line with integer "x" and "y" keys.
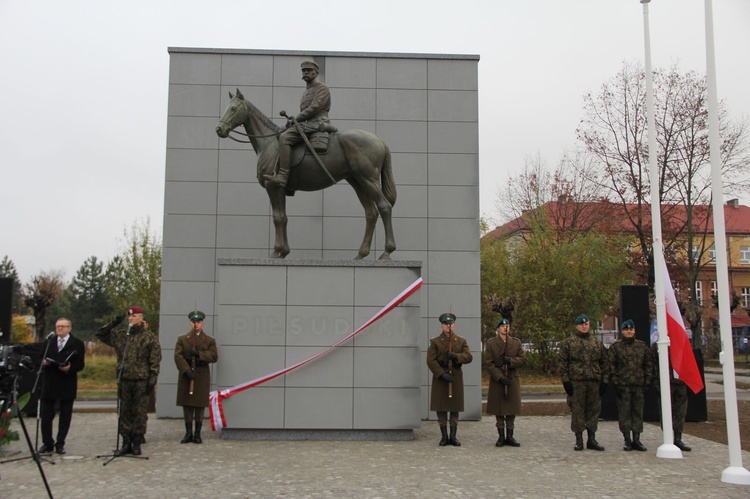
{"x": 59, "y": 385}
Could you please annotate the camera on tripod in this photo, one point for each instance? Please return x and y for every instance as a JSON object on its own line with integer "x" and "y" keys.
{"x": 12, "y": 362}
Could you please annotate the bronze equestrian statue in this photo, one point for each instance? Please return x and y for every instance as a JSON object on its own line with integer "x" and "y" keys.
{"x": 360, "y": 157}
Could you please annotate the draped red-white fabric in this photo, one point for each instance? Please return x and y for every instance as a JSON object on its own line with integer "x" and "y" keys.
{"x": 680, "y": 350}
{"x": 215, "y": 407}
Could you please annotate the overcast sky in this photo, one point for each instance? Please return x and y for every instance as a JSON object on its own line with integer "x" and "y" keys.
{"x": 84, "y": 83}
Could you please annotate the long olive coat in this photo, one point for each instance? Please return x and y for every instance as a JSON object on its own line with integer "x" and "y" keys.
{"x": 206, "y": 345}
{"x": 494, "y": 352}
{"x": 437, "y": 361}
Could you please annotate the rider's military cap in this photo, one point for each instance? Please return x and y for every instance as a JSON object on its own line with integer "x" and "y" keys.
{"x": 309, "y": 65}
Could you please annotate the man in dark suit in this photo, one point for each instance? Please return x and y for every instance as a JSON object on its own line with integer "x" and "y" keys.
{"x": 65, "y": 357}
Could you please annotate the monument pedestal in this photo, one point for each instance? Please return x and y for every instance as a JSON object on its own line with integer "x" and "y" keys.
{"x": 276, "y": 313}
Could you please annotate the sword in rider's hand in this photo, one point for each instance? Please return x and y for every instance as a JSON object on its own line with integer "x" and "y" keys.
{"x": 307, "y": 143}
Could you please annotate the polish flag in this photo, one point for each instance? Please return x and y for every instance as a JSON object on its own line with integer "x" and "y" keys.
{"x": 680, "y": 350}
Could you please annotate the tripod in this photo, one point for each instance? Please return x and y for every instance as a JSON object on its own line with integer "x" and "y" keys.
{"x": 38, "y": 412}
{"x": 13, "y": 400}
{"x": 116, "y": 452}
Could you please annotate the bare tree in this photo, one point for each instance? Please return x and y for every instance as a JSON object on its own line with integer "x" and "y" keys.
{"x": 43, "y": 290}
{"x": 565, "y": 199}
{"x": 614, "y": 130}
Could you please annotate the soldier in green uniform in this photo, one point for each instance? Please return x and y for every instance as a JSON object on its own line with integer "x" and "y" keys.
{"x": 193, "y": 353}
{"x": 584, "y": 373}
{"x": 631, "y": 368}
{"x": 140, "y": 368}
{"x": 446, "y": 355}
{"x": 503, "y": 355}
{"x": 678, "y": 395}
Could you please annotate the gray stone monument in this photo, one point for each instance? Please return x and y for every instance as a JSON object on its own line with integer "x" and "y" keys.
{"x": 219, "y": 232}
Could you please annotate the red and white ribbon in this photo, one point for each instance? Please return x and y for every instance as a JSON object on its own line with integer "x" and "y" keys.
{"x": 215, "y": 408}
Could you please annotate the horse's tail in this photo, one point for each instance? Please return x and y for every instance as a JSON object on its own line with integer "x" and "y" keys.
{"x": 387, "y": 182}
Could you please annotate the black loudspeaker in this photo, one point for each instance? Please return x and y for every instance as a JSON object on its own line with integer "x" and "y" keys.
{"x": 633, "y": 306}
{"x": 6, "y": 304}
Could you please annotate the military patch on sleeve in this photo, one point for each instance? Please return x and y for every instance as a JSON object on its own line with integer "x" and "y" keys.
{"x": 429, "y": 344}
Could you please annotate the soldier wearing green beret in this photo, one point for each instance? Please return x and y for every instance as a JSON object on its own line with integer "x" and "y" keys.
{"x": 193, "y": 353}
{"x": 584, "y": 373}
{"x": 503, "y": 355}
{"x": 631, "y": 368}
{"x": 446, "y": 355}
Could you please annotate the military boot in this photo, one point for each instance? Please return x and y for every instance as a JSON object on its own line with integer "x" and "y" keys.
{"x": 444, "y": 433}
{"x": 628, "y": 445}
{"x": 501, "y": 440}
{"x": 281, "y": 177}
{"x": 591, "y": 443}
{"x": 637, "y": 445}
{"x": 127, "y": 447}
{"x": 454, "y": 440}
{"x": 509, "y": 440}
{"x": 197, "y": 435}
{"x": 579, "y": 441}
{"x": 137, "y": 445}
{"x": 188, "y": 434}
{"x": 678, "y": 442}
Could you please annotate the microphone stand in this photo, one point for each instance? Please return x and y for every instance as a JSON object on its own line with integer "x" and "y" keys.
{"x": 38, "y": 410}
{"x": 119, "y": 408}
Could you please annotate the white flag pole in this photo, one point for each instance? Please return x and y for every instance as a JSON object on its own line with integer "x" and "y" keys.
{"x": 666, "y": 450}
{"x": 735, "y": 473}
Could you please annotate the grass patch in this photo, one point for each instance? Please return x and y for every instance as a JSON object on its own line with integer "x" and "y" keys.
{"x": 99, "y": 373}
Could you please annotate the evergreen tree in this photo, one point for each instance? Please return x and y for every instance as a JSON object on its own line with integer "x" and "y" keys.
{"x": 90, "y": 306}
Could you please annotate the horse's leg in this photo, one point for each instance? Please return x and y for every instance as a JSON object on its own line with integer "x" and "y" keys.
{"x": 371, "y": 218}
{"x": 277, "y": 197}
{"x": 375, "y": 194}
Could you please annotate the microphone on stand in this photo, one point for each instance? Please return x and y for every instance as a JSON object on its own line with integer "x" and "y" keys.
{"x": 50, "y": 335}
{"x": 129, "y": 327}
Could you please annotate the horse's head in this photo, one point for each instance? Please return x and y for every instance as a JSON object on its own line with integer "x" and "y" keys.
{"x": 234, "y": 116}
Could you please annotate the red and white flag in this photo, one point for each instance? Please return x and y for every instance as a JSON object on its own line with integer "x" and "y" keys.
{"x": 680, "y": 350}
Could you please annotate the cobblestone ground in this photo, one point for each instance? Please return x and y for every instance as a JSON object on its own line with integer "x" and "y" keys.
{"x": 544, "y": 466}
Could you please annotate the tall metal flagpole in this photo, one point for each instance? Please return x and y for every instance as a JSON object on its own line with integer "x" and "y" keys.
{"x": 668, "y": 449}
{"x": 735, "y": 473}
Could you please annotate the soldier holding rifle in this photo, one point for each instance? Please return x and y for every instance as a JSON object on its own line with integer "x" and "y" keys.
{"x": 503, "y": 355}
{"x": 193, "y": 353}
{"x": 446, "y": 355}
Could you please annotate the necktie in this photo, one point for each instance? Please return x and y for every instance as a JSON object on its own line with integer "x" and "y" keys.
{"x": 60, "y": 344}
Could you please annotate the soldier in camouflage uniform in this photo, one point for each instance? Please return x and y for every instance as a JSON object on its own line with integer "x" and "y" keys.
{"x": 678, "y": 393}
{"x": 140, "y": 368}
{"x": 584, "y": 373}
{"x": 631, "y": 368}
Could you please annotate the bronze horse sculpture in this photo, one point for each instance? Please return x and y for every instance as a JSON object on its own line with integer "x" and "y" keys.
{"x": 357, "y": 156}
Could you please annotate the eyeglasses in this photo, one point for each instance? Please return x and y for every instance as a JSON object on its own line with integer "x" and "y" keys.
{"x": 62, "y": 326}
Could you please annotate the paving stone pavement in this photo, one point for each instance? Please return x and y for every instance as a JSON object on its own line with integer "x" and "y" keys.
{"x": 544, "y": 466}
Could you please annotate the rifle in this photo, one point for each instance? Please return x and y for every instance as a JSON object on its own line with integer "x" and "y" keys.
{"x": 192, "y": 364}
{"x": 505, "y": 369}
{"x": 450, "y": 364}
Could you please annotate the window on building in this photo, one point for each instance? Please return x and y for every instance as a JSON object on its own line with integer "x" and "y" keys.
{"x": 745, "y": 254}
{"x": 714, "y": 289}
{"x": 699, "y": 292}
{"x": 746, "y": 297}
{"x": 696, "y": 252}
{"x": 712, "y": 254}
